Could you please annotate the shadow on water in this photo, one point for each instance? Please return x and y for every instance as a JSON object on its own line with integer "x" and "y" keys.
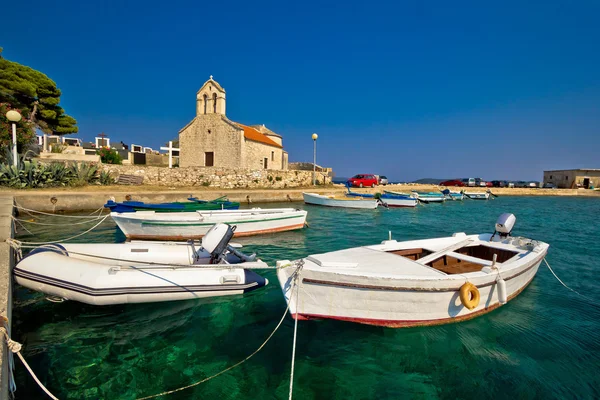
{"x": 543, "y": 344}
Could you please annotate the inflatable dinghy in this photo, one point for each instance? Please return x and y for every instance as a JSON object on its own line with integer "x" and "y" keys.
{"x": 141, "y": 272}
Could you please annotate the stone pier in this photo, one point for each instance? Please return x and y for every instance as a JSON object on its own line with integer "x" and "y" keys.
{"x": 6, "y": 264}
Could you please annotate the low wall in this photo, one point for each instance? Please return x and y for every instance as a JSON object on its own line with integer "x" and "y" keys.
{"x": 6, "y": 264}
{"x": 67, "y": 157}
{"x": 216, "y": 177}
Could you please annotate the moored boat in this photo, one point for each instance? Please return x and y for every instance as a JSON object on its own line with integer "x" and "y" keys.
{"x": 150, "y": 225}
{"x": 413, "y": 283}
{"x": 141, "y": 272}
{"x": 344, "y": 202}
{"x": 388, "y": 199}
{"x": 477, "y": 195}
{"x": 193, "y": 204}
{"x": 429, "y": 197}
{"x": 453, "y": 195}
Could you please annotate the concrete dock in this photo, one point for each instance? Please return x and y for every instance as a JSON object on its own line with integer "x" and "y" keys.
{"x": 6, "y": 264}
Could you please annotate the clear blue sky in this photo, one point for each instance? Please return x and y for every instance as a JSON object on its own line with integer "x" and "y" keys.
{"x": 409, "y": 90}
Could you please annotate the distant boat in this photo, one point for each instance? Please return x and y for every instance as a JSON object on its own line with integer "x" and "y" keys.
{"x": 152, "y": 225}
{"x": 416, "y": 282}
{"x": 453, "y": 195}
{"x": 429, "y": 197}
{"x": 343, "y": 202}
{"x": 477, "y": 195}
{"x": 388, "y": 199}
{"x": 194, "y": 204}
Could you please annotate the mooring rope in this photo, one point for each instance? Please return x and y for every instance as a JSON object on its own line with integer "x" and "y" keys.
{"x": 29, "y": 210}
{"x": 564, "y": 284}
{"x": 69, "y": 238}
{"x": 295, "y": 277}
{"x": 92, "y": 219}
{"x": 15, "y": 347}
{"x": 297, "y": 286}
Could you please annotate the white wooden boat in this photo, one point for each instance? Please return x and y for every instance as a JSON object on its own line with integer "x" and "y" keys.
{"x": 140, "y": 272}
{"x": 478, "y": 195}
{"x": 150, "y": 225}
{"x": 455, "y": 196}
{"x": 345, "y": 202}
{"x": 414, "y": 283}
{"x": 387, "y": 199}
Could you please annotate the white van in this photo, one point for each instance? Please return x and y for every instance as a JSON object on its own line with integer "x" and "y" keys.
{"x": 469, "y": 182}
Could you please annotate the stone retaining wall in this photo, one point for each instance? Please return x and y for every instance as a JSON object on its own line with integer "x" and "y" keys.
{"x": 6, "y": 264}
{"x": 217, "y": 177}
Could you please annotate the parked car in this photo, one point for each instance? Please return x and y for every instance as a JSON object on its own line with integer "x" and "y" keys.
{"x": 453, "y": 182}
{"x": 362, "y": 180}
{"x": 550, "y": 186}
{"x": 383, "y": 180}
{"x": 499, "y": 184}
{"x": 468, "y": 181}
{"x": 489, "y": 184}
{"x": 533, "y": 184}
{"x": 480, "y": 182}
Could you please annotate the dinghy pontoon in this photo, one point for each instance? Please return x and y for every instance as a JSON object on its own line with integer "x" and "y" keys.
{"x": 141, "y": 272}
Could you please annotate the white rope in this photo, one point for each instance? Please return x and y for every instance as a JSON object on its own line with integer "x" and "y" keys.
{"x": 15, "y": 347}
{"x": 56, "y": 215}
{"x": 51, "y": 224}
{"x": 69, "y": 238}
{"x": 228, "y": 368}
{"x": 572, "y": 290}
{"x": 297, "y": 285}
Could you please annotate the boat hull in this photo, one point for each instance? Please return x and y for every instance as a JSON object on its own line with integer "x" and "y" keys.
{"x": 397, "y": 203}
{"x": 319, "y": 200}
{"x": 182, "y": 226}
{"x": 478, "y": 196}
{"x": 100, "y": 284}
{"x": 397, "y": 303}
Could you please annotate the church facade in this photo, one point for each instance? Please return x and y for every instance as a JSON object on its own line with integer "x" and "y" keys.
{"x": 211, "y": 139}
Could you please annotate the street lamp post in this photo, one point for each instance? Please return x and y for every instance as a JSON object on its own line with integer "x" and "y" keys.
{"x": 314, "y": 138}
{"x": 14, "y": 117}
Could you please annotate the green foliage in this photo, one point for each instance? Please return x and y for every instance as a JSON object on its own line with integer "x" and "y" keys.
{"x": 83, "y": 174}
{"x": 30, "y": 174}
{"x": 109, "y": 156}
{"x": 36, "y": 97}
{"x": 206, "y": 183}
{"x": 57, "y": 148}
{"x": 106, "y": 178}
{"x": 278, "y": 178}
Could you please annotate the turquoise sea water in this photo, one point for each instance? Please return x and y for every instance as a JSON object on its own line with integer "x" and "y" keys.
{"x": 543, "y": 344}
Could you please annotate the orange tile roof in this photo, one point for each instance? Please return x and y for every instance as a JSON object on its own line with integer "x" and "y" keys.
{"x": 253, "y": 134}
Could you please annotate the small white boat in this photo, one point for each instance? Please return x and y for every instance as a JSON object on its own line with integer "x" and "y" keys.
{"x": 450, "y": 195}
{"x": 150, "y": 225}
{"x": 477, "y": 195}
{"x": 141, "y": 272}
{"x": 345, "y": 202}
{"x": 413, "y": 283}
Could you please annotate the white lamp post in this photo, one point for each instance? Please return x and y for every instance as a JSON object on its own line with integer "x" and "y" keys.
{"x": 314, "y": 138}
{"x": 14, "y": 117}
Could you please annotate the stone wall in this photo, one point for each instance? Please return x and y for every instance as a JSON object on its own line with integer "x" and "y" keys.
{"x": 211, "y": 133}
{"x": 257, "y": 152}
{"x": 217, "y": 177}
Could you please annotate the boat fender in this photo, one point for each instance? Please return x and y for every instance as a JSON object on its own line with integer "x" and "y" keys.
{"x": 54, "y": 248}
{"x": 502, "y": 297}
{"x": 469, "y": 295}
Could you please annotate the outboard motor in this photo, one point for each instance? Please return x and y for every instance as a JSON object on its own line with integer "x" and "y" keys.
{"x": 216, "y": 240}
{"x": 504, "y": 225}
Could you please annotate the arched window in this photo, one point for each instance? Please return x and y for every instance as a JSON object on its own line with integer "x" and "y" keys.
{"x": 215, "y": 103}
{"x": 205, "y": 98}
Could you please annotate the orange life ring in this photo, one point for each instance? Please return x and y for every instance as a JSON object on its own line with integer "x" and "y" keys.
{"x": 469, "y": 295}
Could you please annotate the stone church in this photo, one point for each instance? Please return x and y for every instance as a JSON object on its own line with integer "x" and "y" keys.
{"x": 212, "y": 139}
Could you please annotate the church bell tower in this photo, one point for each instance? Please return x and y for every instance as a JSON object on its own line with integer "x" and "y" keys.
{"x": 210, "y": 99}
